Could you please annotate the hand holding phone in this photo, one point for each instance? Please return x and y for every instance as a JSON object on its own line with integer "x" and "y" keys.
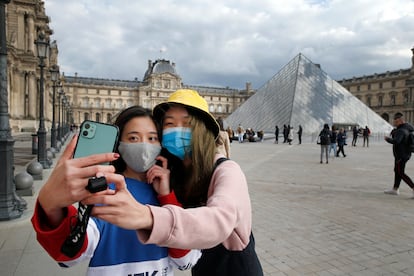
{"x": 94, "y": 138}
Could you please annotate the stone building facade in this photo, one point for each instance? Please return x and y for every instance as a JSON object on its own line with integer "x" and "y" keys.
{"x": 386, "y": 93}
{"x": 25, "y": 20}
{"x": 101, "y": 99}
{"x": 78, "y": 98}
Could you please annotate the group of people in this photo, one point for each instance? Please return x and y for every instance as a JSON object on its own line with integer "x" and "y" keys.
{"x": 399, "y": 138}
{"x": 174, "y": 200}
{"x": 288, "y": 134}
{"x": 331, "y": 139}
{"x": 364, "y": 132}
{"x": 249, "y": 134}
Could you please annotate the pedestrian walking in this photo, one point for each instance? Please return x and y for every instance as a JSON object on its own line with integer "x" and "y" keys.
{"x": 324, "y": 139}
{"x": 401, "y": 151}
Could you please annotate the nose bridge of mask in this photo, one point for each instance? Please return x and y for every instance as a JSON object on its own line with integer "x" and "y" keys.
{"x": 181, "y": 135}
{"x": 139, "y": 156}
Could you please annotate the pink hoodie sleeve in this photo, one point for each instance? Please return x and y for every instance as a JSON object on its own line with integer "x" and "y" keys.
{"x": 225, "y": 219}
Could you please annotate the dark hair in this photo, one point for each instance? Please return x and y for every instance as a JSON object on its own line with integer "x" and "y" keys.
{"x": 220, "y": 123}
{"x": 398, "y": 115}
{"x": 123, "y": 118}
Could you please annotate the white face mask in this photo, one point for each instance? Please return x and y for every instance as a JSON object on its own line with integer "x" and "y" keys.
{"x": 139, "y": 156}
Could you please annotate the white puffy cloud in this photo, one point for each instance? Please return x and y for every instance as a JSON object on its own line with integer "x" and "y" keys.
{"x": 228, "y": 42}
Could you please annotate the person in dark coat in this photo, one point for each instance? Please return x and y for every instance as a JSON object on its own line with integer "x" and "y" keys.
{"x": 401, "y": 152}
{"x": 276, "y": 134}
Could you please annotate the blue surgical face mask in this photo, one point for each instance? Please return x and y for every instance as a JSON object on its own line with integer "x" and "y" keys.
{"x": 177, "y": 140}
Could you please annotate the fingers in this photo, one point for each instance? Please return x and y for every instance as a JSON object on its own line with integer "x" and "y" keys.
{"x": 163, "y": 160}
{"x": 96, "y": 159}
{"x": 157, "y": 172}
{"x": 70, "y": 148}
{"x": 116, "y": 179}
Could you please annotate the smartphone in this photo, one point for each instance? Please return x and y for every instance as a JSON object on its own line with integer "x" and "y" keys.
{"x": 95, "y": 137}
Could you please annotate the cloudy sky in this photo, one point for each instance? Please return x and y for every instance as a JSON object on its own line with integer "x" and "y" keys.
{"x": 227, "y": 42}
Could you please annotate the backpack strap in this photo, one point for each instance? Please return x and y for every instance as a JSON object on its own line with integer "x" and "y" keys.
{"x": 219, "y": 161}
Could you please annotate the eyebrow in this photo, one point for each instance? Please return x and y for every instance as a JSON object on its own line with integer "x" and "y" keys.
{"x": 138, "y": 132}
{"x": 172, "y": 117}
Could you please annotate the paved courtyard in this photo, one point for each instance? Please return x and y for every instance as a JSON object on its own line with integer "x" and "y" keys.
{"x": 309, "y": 218}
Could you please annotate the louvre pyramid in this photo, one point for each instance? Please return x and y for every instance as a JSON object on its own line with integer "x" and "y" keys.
{"x": 302, "y": 94}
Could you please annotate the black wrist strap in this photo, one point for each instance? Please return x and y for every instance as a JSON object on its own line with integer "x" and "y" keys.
{"x": 74, "y": 241}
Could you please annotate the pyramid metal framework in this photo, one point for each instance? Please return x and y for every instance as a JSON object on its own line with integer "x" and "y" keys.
{"x": 302, "y": 94}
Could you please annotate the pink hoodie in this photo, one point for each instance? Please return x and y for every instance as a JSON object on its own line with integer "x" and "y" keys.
{"x": 226, "y": 218}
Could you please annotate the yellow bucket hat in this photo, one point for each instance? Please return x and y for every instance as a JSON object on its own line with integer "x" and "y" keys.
{"x": 196, "y": 104}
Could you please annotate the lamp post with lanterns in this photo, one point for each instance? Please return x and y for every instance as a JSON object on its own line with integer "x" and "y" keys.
{"x": 54, "y": 74}
{"x": 9, "y": 205}
{"x": 59, "y": 129}
{"x": 42, "y": 46}
{"x": 64, "y": 100}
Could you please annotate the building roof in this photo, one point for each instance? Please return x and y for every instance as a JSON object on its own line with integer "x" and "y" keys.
{"x": 102, "y": 82}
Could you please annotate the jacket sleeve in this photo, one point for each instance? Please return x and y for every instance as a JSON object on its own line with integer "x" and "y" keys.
{"x": 52, "y": 239}
{"x": 183, "y": 259}
{"x": 226, "y": 218}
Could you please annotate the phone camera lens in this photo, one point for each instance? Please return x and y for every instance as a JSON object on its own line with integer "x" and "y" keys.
{"x": 85, "y": 133}
{"x": 87, "y": 126}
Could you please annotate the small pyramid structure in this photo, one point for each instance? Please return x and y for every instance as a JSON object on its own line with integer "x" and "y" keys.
{"x": 302, "y": 94}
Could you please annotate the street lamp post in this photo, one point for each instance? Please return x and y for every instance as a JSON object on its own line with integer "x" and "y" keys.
{"x": 60, "y": 98}
{"x": 54, "y": 73}
{"x": 42, "y": 49}
{"x": 9, "y": 206}
{"x": 63, "y": 117}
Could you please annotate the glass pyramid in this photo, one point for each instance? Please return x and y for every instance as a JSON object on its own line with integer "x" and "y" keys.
{"x": 302, "y": 94}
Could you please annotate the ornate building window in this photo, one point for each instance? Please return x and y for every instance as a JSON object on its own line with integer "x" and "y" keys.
{"x": 211, "y": 108}
{"x": 167, "y": 84}
{"x": 119, "y": 103}
{"x": 380, "y": 100}
{"x": 98, "y": 117}
{"x": 392, "y": 99}
{"x": 108, "y": 117}
{"x": 86, "y": 116}
{"x": 405, "y": 97}
{"x": 219, "y": 108}
{"x": 85, "y": 102}
{"x": 108, "y": 103}
{"x": 393, "y": 84}
{"x": 369, "y": 101}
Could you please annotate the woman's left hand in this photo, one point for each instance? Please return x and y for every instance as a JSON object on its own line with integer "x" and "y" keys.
{"x": 159, "y": 177}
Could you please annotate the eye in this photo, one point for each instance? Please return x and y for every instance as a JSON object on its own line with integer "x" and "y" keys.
{"x": 133, "y": 139}
{"x": 168, "y": 125}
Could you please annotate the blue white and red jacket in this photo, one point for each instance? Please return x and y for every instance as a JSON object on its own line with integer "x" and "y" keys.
{"x": 110, "y": 249}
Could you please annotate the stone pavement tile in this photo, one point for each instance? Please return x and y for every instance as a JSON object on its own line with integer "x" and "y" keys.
{"x": 9, "y": 261}
{"x": 308, "y": 218}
